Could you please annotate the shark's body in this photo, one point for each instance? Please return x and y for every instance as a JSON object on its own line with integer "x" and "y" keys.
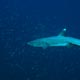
{"x": 59, "y": 40}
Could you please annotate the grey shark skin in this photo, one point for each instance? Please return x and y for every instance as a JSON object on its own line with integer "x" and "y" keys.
{"x": 59, "y": 40}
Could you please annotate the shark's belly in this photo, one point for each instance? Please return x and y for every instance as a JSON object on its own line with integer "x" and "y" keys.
{"x": 57, "y": 42}
{"x": 60, "y": 44}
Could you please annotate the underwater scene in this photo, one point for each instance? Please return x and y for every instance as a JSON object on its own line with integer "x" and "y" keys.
{"x": 39, "y": 40}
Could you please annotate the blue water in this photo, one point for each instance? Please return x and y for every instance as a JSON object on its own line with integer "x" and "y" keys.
{"x": 25, "y": 20}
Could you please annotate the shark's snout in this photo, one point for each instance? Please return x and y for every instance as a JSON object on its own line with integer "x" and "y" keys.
{"x": 29, "y": 43}
{"x": 32, "y": 43}
{"x": 35, "y": 43}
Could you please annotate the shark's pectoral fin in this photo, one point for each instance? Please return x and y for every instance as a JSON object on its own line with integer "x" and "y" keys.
{"x": 69, "y": 45}
{"x": 45, "y": 46}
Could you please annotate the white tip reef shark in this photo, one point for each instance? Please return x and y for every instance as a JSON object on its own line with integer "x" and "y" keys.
{"x": 59, "y": 40}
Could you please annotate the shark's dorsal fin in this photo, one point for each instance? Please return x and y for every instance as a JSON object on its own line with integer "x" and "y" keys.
{"x": 62, "y": 33}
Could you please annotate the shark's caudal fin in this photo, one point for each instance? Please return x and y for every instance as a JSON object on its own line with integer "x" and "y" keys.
{"x": 62, "y": 33}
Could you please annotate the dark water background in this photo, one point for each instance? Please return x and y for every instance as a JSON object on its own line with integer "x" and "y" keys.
{"x": 25, "y": 20}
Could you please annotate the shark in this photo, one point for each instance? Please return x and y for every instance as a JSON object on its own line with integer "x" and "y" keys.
{"x": 58, "y": 40}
